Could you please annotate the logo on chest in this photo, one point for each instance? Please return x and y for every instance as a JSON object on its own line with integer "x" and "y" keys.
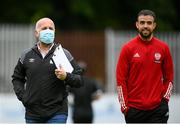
{"x": 50, "y": 62}
{"x": 136, "y": 55}
{"x": 31, "y": 60}
{"x": 157, "y": 57}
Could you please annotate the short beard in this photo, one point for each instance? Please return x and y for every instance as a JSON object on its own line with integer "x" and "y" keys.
{"x": 145, "y": 36}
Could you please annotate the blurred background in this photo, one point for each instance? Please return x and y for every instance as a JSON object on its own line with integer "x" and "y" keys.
{"x": 93, "y": 31}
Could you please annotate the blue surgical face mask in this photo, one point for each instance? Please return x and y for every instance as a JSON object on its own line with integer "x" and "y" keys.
{"x": 46, "y": 36}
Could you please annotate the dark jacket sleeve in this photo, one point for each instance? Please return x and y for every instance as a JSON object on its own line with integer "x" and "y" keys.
{"x": 18, "y": 80}
{"x": 74, "y": 79}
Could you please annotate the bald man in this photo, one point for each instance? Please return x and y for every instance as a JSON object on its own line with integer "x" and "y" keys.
{"x": 38, "y": 84}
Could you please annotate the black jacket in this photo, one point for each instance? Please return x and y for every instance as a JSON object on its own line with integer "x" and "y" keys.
{"x": 37, "y": 86}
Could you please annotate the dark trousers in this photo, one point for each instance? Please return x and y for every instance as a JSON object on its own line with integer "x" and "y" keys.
{"x": 83, "y": 115}
{"x": 86, "y": 118}
{"x": 157, "y": 115}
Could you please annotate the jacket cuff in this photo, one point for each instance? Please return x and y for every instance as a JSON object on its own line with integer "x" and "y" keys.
{"x": 124, "y": 110}
{"x": 166, "y": 99}
{"x": 68, "y": 75}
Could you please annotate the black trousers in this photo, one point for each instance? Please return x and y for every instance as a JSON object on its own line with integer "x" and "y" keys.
{"x": 157, "y": 115}
{"x": 82, "y": 115}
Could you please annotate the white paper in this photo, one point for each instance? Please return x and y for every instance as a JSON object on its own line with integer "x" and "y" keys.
{"x": 60, "y": 59}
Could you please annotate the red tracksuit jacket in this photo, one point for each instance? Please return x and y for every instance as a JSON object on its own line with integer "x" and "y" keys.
{"x": 144, "y": 74}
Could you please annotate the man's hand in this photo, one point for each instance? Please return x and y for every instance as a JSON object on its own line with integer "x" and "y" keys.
{"x": 60, "y": 73}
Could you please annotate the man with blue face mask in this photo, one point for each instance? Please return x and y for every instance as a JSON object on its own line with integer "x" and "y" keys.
{"x": 46, "y": 36}
{"x": 38, "y": 84}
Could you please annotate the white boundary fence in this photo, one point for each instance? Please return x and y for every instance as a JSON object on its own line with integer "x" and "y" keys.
{"x": 13, "y": 40}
